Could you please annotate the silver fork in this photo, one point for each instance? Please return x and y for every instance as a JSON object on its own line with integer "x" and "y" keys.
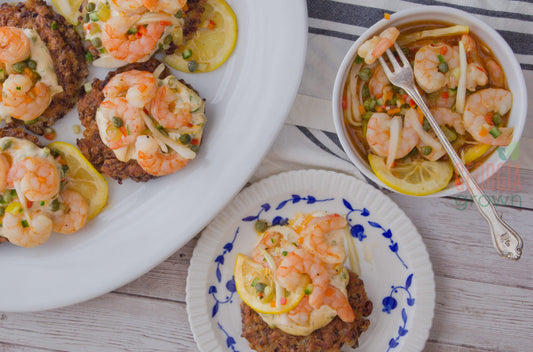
{"x": 506, "y": 241}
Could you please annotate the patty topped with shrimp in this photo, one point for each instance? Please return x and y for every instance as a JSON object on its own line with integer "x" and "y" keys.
{"x": 34, "y": 196}
{"x": 128, "y": 31}
{"x": 141, "y": 122}
{"x": 296, "y": 291}
{"x": 42, "y": 65}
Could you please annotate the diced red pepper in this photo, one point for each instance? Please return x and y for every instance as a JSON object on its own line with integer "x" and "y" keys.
{"x": 165, "y": 23}
{"x": 283, "y": 300}
{"x": 488, "y": 118}
{"x": 445, "y": 95}
{"x": 195, "y": 141}
{"x": 50, "y": 136}
{"x": 443, "y": 50}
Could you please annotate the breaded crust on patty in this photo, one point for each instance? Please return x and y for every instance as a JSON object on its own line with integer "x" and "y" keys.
{"x": 91, "y": 145}
{"x": 66, "y": 49}
{"x": 329, "y": 338}
{"x": 11, "y": 131}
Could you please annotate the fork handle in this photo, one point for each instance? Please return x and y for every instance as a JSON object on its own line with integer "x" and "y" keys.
{"x": 506, "y": 241}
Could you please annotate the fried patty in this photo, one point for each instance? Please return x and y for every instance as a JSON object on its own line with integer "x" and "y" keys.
{"x": 66, "y": 49}
{"x": 329, "y": 338}
{"x": 91, "y": 145}
{"x": 11, "y": 131}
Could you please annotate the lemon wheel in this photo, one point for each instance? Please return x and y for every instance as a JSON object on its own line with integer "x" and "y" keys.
{"x": 417, "y": 178}
{"x": 83, "y": 177}
{"x": 68, "y": 9}
{"x": 212, "y": 44}
{"x": 255, "y": 284}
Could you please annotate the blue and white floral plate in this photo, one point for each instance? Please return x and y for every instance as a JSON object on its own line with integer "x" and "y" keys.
{"x": 395, "y": 266}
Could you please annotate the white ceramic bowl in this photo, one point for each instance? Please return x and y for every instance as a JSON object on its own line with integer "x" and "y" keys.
{"x": 489, "y": 36}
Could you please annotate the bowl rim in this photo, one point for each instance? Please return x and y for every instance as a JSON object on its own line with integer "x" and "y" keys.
{"x": 447, "y": 15}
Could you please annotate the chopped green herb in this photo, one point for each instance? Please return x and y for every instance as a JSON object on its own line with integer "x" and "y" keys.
{"x": 254, "y": 281}
{"x": 42, "y": 203}
{"x": 194, "y": 148}
{"x": 495, "y": 132}
{"x": 284, "y": 253}
{"x": 54, "y": 25}
{"x": 192, "y": 65}
{"x": 31, "y": 122}
{"x": 441, "y": 59}
{"x": 365, "y": 74}
{"x": 94, "y": 17}
{"x": 132, "y": 31}
{"x": 179, "y": 14}
{"x": 32, "y": 64}
{"x": 370, "y": 104}
{"x": 187, "y": 53}
{"x": 54, "y": 205}
{"x": 88, "y": 56}
{"x": 24, "y": 223}
{"x": 365, "y": 92}
{"x": 19, "y": 67}
{"x": 359, "y": 60}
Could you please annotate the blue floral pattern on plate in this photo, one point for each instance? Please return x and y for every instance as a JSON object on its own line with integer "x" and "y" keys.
{"x": 377, "y": 227}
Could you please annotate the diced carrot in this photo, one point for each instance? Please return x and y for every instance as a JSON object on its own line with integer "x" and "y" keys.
{"x": 165, "y": 23}
{"x": 388, "y": 95}
{"x": 443, "y": 50}
{"x": 272, "y": 304}
{"x": 123, "y": 130}
{"x": 483, "y": 132}
{"x": 379, "y": 108}
{"x": 211, "y": 24}
{"x": 401, "y": 101}
{"x": 445, "y": 95}
{"x": 141, "y": 30}
{"x": 361, "y": 109}
{"x": 412, "y": 103}
{"x": 420, "y": 115}
{"x": 393, "y": 111}
{"x": 387, "y": 16}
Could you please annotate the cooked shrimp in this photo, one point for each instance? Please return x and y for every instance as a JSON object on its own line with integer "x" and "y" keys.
{"x": 302, "y": 312}
{"x": 378, "y": 135}
{"x": 167, "y": 6}
{"x": 124, "y": 123}
{"x": 379, "y": 84}
{"x": 317, "y": 238}
{"x": 4, "y": 167}
{"x": 154, "y": 161}
{"x": 128, "y": 6}
{"x": 138, "y": 87}
{"x": 72, "y": 214}
{"x": 475, "y": 76}
{"x": 425, "y": 138}
{"x": 269, "y": 240}
{"x": 375, "y": 47}
{"x": 444, "y": 98}
{"x": 169, "y": 110}
{"x": 496, "y": 75}
{"x": 426, "y": 68}
{"x": 339, "y": 302}
{"x": 449, "y": 118}
{"x": 296, "y": 267}
{"x": 14, "y": 45}
{"x": 483, "y": 103}
{"x": 37, "y": 177}
{"x": 130, "y": 47}
{"x": 22, "y": 100}
{"x": 26, "y": 232}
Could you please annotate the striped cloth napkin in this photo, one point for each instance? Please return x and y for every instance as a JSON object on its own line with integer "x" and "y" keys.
{"x": 308, "y": 138}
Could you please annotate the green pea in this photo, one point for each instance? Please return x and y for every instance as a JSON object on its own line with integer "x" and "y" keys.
{"x": 54, "y": 205}
{"x": 185, "y": 138}
{"x": 450, "y": 134}
{"x": 24, "y": 223}
{"x": 260, "y": 287}
{"x": 132, "y": 31}
{"x": 179, "y": 14}
{"x": 32, "y": 64}
{"x": 117, "y": 122}
{"x": 426, "y": 150}
{"x": 167, "y": 40}
{"x": 443, "y": 67}
{"x": 19, "y": 67}
{"x": 497, "y": 119}
{"x": 91, "y": 6}
{"x": 426, "y": 125}
{"x": 365, "y": 74}
{"x": 192, "y": 66}
{"x": 86, "y": 18}
{"x": 96, "y": 42}
{"x": 88, "y": 56}
{"x": 261, "y": 226}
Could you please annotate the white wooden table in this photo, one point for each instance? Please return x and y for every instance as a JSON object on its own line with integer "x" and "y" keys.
{"x": 483, "y": 303}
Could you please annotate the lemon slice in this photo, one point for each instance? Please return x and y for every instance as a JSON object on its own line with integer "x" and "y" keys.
{"x": 83, "y": 177}
{"x": 70, "y": 9}
{"x": 255, "y": 284}
{"x": 475, "y": 152}
{"x": 417, "y": 178}
{"x": 212, "y": 44}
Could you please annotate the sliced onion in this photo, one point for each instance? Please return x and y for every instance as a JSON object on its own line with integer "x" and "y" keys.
{"x": 277, "y": 287}
{"x": 151, "y": 17}
{"x": 461, "y": 87}
{"x": 394, "y": 141}
{"x": 180, "y": 149}
{"x": 352, "y": 253}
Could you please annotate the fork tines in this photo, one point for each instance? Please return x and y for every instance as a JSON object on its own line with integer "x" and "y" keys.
{"x": 393, "y": 60}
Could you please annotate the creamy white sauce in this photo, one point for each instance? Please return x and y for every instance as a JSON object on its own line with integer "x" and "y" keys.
{"x": 21, "y": 148}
